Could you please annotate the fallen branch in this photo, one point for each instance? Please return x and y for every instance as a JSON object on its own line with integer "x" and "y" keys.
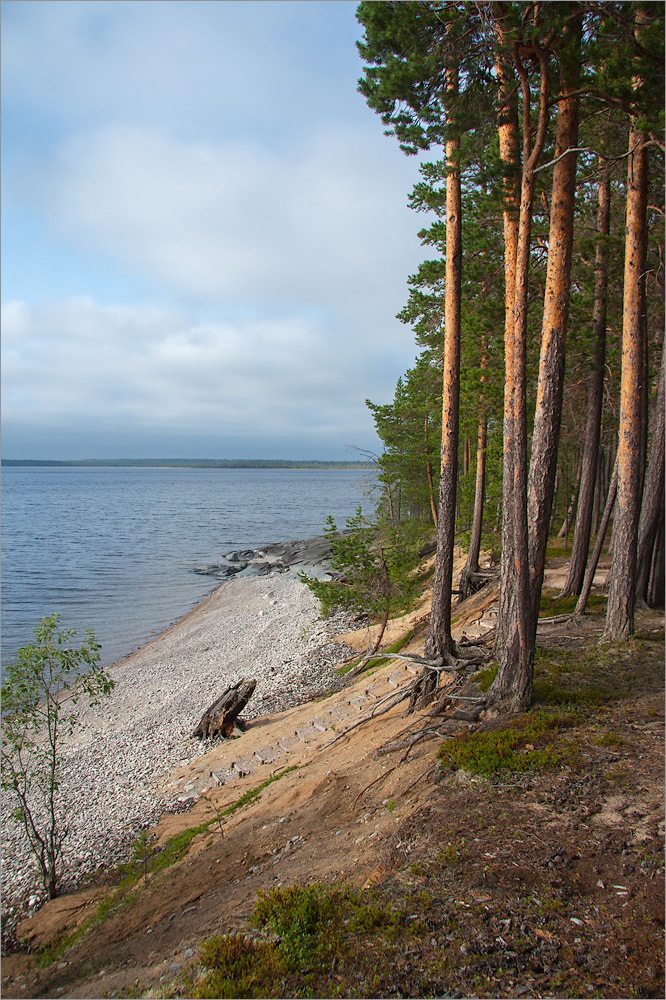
{"x": 556, "y": 619}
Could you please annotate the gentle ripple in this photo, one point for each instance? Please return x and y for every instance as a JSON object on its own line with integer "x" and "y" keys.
{"x": 114, "y": 548}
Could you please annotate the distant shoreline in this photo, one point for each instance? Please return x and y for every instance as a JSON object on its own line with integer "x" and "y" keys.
{"x": 187, "y": 463}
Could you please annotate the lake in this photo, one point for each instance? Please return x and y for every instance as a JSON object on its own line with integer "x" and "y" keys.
{"x": 116, "y": 548}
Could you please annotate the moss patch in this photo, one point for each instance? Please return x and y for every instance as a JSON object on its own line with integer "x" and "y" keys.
{"x": 484, "y": 678}
{"x": 322, "y": 937}
{"x": 527, "y": 743}
{"x": 550, "y": 604}
{"x": 595, "y": 674}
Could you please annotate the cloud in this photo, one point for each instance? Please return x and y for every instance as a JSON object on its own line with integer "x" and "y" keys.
{"x": 79, "y": 364}
{"x": 192, "y": 66}
{"x": 316, "y": 223}
{"x": 207, "y": 177}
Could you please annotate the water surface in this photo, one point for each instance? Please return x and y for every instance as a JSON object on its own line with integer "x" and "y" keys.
{"x": 115, "y": 548}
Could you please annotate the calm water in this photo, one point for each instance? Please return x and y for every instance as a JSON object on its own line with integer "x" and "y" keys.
{"x": 115, "y": 548}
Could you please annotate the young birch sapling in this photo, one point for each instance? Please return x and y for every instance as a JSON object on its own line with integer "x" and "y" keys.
{"x": 47, "y": 678}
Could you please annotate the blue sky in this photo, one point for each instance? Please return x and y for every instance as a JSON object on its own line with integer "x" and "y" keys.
{"x": 205, "y": 232}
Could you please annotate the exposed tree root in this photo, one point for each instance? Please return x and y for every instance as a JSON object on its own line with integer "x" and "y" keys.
{"x": 472, "y": 581}
{"x": 386, "y": 704}
{"x": 376, "y": 780}
{"x": 422, "y": 734}
{"x": 425, "y": 686}
{"x": 428, "y": 769}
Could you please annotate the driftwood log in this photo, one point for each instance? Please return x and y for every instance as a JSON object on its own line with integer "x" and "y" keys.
{"x": 221, "y": 717}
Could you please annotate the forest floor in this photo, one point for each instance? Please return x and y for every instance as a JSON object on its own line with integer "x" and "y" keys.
{"x": 528, "y": 863}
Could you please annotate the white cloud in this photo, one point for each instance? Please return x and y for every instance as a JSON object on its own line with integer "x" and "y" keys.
{"x": 78, "y": 363}
{"x": 316, "y": 223}
{"x": 193, "y": 66}
{"x": 218, "y": 155}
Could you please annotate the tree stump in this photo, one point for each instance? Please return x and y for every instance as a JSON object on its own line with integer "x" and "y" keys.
{"x": 221, "y": 717}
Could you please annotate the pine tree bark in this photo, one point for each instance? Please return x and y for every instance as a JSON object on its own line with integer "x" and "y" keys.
{"x": 622, "y": 590}
{"x": 439, "y": 644}
{"x": 653, "y": 493}
{"x": 509, "y": 148}
{"x": 548, "y": 413}
{"x": 598, "y": 545}
{"x": 512, "y": 687}
{"x": 431, "y": 487}
{"x": 588, "y": 479}
{"x": 657, "y": 590}
{"x": 472, "y": 563}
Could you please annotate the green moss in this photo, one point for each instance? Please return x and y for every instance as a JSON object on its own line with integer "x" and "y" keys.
{"x": 305, "y": 918}
{"x": 609, "y": 739}
{"x": 484, "y": 678}
{"x": 512, "y": 749}
{"x": 239, "y": 967}
{"x": 252, "y": 793}
{"x": 557, "y": 550}
{"x": 618, "y": 776}
{"x": 177, "y": 847}
{"x": 129, "y": 875}
{"x": 451, "y": 854}
{"x": 318, "y": 930}
{"x": 551, "y": 605}
{"x": 54, "y": 950}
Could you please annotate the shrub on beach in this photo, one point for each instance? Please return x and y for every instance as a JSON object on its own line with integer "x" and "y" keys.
{"x": 42, "y": 684}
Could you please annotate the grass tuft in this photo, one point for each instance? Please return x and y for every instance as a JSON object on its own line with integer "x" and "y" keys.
{"x": 376, "y": 661}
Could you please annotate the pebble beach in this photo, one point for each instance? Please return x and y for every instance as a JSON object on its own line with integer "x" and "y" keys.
{"x": 266, "y": 627}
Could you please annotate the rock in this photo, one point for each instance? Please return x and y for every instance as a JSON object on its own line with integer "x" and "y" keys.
{"x": 440, "y": 774}
{"x": 257, "y": 569}
{"x": 243, "y": 555}
{"x": 222, "y": 571}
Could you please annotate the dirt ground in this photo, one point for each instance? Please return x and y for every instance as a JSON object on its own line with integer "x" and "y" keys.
{"x": 545, "y": 883}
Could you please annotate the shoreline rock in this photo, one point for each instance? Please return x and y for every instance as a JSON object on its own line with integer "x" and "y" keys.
{"x": 310, "y": 555}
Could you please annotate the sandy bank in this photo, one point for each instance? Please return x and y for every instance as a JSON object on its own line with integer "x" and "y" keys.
{"x": 267, "y": 628}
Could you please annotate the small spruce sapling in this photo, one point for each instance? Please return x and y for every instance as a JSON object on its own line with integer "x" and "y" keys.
{"x": 44, "y": 681}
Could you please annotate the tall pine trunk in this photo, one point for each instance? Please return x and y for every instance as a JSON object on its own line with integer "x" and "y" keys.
{"x": 586, "y": 495}
{"x": 512, "y": 687}
{"x": 431, "y": 487}
{"x": 509, "y": 148}
{"x": 472, "y": 563}
{"x": 548, "y": 413}
{"x": 622, "y": 589}
{"x": 439, "y": 644}
{"x": 653, "y": 494}
{"x": 598, "y": 545}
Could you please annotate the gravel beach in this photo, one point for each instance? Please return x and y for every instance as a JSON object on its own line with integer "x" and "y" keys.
{"x": 264, "y": 627}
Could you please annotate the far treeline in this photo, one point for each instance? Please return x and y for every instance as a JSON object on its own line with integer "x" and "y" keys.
{"x": 188, "y": 463}
{"x": 536, "y": 407}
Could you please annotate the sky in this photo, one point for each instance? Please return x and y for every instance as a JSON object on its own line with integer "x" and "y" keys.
{"x": 205, "y": 232}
